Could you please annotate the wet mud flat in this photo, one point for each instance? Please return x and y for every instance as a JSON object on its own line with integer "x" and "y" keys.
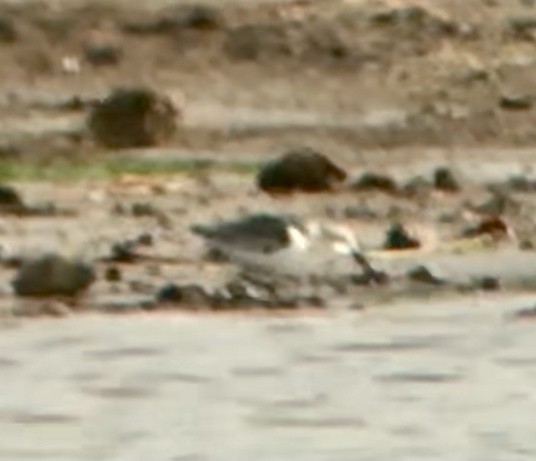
{"x": 135, "y": 232}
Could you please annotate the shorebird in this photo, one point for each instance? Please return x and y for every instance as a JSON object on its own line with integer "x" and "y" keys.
{"x": 284, "y": 245}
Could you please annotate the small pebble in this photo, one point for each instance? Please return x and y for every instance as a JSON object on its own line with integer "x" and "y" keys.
{"x": 445, "y": 180}
{"x": 398, "y": 238}
{"x": 488, "y": 283}
{"x": 423, "y": 274}
{"x": 113, "y": 274}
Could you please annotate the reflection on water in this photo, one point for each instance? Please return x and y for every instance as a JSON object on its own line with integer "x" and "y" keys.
{"x": 443, "y": 381}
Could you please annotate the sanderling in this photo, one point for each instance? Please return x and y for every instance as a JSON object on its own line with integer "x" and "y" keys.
{"x": 286, "y": 246}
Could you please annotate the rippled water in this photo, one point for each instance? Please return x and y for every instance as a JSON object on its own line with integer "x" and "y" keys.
{"x": 452, "y": 380}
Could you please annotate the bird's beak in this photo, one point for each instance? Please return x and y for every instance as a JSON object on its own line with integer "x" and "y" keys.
{"x": 370, "y": 272}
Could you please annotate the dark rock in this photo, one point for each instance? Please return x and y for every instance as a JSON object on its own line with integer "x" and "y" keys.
{"x": 216, "y": 255}
{"x": 113, "y": 274}
{"x": 516, "y": 102}
{"x": 424, "y": 275}
{"x": 53, "y": 275}
{"x": 398, "y": 238}
{"x": 445, "y": 180}
{"x": 123, "y": 252}
{"x": 10, "y": 199}
{"x": 487, "y": 283}
{"x": 253, "y": 41}
{"x": 186, "y": 17}
{"x": 102, "y": 53}
{"x": 199, "y": 17}
{"x": 495, "y": 226}
{"x": 300, "y": 170}
{"x": 133, "y": 117}
{"x": 373, "y": 181}
{"x": 8, "y": 32}
{"x": 141, "y": 209}
{"x": 189, "y": 295}
{"x": 145, "y": 239}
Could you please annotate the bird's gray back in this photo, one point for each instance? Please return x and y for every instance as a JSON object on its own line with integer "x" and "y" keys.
{"x": 259, "y": 232}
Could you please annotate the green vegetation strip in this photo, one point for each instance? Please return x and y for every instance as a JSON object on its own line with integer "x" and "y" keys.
{"x": 108, "y": 168}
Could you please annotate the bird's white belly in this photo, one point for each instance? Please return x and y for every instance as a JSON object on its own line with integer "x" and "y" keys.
{"x": 296, "y": 262}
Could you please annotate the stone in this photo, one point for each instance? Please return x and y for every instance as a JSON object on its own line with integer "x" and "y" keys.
{"x": 133, "y": 117}
{"x": 123, "y": 252}
{"x": 113, "y": 274}
{"x": 487, "y": 283}
{"x": 102, "y": 53}
{"x": 198, "y": 17}
{"x": 10, "y": 199}
{"x": 300, "y": 170}
{"x": 142, "y": 209}
{"x": 183, "y": 18}
{"x": 424, "y": 275}
{"x": 445, "y": 180}
{"x": 398, "y": 238}
{"x": 8, "y": 31}
{"x": 145, "y": 239}
{"x": 373, "y": 181}
{"x": 495, "y": 226}
{"x": 53, "y": 275}
{"x": 190, "y": 295}
{"x": 516, "y": 102}
{"x": 216, "y": 255}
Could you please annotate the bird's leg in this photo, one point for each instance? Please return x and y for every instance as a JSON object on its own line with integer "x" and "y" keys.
{"x": 371, "y": 274}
